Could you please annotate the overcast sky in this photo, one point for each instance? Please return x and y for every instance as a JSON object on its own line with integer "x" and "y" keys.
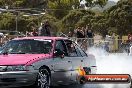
{"x": 114, "y": 0}
{"x": 82, "y": 2}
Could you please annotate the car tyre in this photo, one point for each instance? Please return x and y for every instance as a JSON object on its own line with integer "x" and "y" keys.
{"x": 43, "y": 79}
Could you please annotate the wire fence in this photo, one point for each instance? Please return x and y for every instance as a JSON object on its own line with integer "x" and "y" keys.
{"x": 110, "y": 45}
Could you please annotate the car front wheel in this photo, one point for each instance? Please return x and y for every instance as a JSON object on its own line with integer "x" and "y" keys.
{"x": 43, "y": 79}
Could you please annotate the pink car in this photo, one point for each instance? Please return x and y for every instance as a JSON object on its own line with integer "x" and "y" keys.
{"x": 42, "y": 62}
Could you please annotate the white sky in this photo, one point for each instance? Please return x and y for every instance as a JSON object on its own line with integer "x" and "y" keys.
{"x": 114, "y": 0}
{"x": 109, "y": 0}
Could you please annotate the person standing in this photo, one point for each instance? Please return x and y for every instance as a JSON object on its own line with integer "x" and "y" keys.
{"x": 47, "y": 27}
{"x": 34, "y": 33}
{"x": 44, "y": 30}
{"x": 1, "y": 38}
{"x": 90, "y": 36}
{"x": 130, "y": 37}
{"x": 80, "y": 33}
{"x": 70, "y": 34}
{"x": 80, "y": 36}
{"x": 41, "y": 30}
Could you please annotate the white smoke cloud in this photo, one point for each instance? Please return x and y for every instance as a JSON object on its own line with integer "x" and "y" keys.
{"x": 116, "y": 63}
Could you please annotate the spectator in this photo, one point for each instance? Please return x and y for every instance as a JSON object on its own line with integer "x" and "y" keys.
{"x": 80, "y": 36}
{"x": 129, "y": 37}
{"x": 1, "y": 38}
{"x": 27, "y": 33}
{"x": 90, "y": 34}
{"x": 34, "y": 33}
{"x": 84, "y": 31}
{"x": 44, "y": 30}
{"x": 80, "y": 33}
{"x": 70, "y": 34}
{"x": 47, "y": 28}
{"x": 6, "y": 38}
{"x": 41, "y": 30}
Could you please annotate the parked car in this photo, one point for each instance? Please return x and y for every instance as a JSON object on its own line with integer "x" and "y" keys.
{"x": 43, "y": 61}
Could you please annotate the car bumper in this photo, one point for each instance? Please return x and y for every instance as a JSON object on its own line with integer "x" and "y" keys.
{"x": 17, "y": 79}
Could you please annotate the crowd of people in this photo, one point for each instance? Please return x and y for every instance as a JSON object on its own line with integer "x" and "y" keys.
{"x": 84, "y": 36}
{"x": 81, "y": 32}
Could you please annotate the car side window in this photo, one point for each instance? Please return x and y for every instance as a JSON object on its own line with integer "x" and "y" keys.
{"x": 71, "y": 48}
{"x": 61, "y": 46}
{"x": 79, "y": 50}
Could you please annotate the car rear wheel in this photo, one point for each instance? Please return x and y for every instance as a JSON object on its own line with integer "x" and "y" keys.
{"x": 43, "y": 79}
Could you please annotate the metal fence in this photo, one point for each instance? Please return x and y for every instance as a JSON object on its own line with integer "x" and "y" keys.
{"x": 109, "y": 44}
{"x": 112, "y": 45}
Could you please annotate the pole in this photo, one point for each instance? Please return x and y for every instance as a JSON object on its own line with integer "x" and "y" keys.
{"x": 16, "y": 23}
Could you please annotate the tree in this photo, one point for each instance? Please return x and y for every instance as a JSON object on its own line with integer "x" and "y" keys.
{"x": 73, "y": 18}
{"x": 6, "y": 20}
{"x": 42, "y": 4}
{"x": 120, "y": 17}
{"x": 60, "y": 8}
{"x": 62, "y": 14}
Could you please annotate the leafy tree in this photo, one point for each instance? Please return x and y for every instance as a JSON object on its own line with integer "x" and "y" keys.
{"x": 120, "y": 17}
{"x": 6, "y": 20}
{"x": 24, "y": 3}
{"x": 72, "y": 19}
{"x": 64, "y": 10}
{"x": 60, "y": 8}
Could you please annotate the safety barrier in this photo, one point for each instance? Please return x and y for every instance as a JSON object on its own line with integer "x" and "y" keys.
{"x": 110, "y": 44}
{"x": 113, "y": 45}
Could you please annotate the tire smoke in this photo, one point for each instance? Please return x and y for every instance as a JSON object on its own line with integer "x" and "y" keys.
{"x": 111, "y": 63}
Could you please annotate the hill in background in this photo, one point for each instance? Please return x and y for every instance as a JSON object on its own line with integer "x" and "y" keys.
{"x": 108, "y": 5}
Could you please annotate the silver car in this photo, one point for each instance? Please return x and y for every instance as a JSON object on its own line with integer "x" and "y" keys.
{"x": 43, "y": 61}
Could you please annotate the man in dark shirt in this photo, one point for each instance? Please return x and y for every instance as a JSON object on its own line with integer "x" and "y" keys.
{"x": 90, "y": 34}
{"x": 80, "y": 33}
{"x": 44, "y": 30}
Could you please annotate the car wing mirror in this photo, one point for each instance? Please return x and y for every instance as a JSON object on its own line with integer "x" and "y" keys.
{"x": 59, "y": 53}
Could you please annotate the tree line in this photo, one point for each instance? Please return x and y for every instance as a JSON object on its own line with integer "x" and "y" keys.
{"x": 66, "y": 15}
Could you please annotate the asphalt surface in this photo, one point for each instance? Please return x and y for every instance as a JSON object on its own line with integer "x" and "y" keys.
{"x": 93, "y": 86}
{"x": 112, "y": 63}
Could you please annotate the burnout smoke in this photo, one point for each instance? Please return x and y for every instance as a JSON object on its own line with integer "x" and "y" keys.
{"x": 113, "y": 63}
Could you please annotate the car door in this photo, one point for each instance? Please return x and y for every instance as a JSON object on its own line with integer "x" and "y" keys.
{"x": 76, "y": 58}
{"x": 89, "y": 61}
{"x": 62, "y": 66}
